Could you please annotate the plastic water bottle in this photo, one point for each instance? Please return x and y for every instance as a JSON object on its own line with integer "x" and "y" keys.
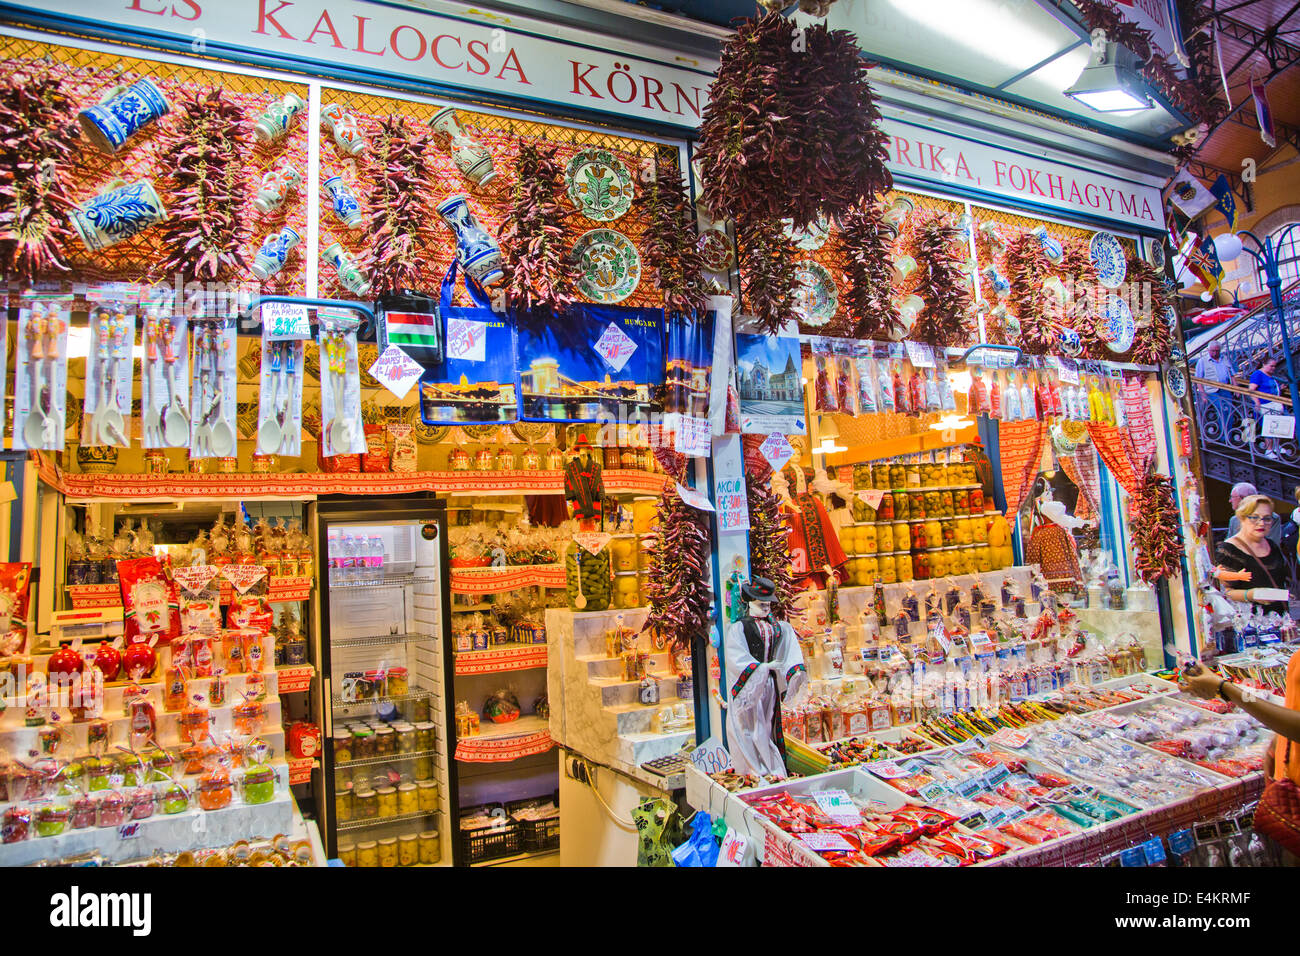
{"x": 347, "y": 560}
{"x": 377, "y": 558}
{"x": 333, "y": 554}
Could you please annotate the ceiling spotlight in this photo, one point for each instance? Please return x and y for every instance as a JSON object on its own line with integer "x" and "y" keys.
{"x": 1110, "y": 82}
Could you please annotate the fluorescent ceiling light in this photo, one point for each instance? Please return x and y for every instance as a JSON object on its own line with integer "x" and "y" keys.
{"x": 1110, "y": 82}
{"x": 991, "y": 30}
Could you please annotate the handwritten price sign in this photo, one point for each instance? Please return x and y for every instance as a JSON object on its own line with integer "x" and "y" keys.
{"x": 397, "y": 371}
{"x": 285, "y": 320}
{"x": 615, "y": 346}
{"x": 467, "y": 340}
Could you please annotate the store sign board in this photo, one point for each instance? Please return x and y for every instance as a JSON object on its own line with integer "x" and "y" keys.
{"x": 448, "y": 44}
{"x": 959, "y": 161}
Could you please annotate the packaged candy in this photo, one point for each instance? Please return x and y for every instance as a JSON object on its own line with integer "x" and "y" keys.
{"x": 149, "y": 601}
{"x": 15, "y": 579}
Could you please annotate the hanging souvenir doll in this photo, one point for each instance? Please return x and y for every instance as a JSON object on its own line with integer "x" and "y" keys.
{"x": 845, "y": 383}
{"x": 977, "y": 399}
{"x": 1028, "y": 402}
{"x": 765, "y": 667}
{"x": 1051, "y": 545}
{"x": 886, "y": 387}
{"x": 813, "y": 543}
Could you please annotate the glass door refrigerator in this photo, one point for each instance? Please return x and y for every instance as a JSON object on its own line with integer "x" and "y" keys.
{"x": 380, "y": 621}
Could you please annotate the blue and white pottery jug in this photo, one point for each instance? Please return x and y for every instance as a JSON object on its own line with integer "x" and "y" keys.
{"x": 344, "y": 202}
{"x": 123, "y": 112}
{"x": 275, "y": 250}
{"x": 477, "y": 251}
{"x": 117, "y": 214}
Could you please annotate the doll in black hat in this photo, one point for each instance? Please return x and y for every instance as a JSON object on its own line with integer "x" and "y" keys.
{"x": 764, "y": 667}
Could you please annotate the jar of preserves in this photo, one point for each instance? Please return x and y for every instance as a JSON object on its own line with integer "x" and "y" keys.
{"x": 408, "y": 850}
{"x": 348, "y": 854}
{"x": 51, "y": 821}
{"x": 430, "y": 847}
{"x": 407, "y": 800}
{"x": 385, "y": 741}
{"x": 885, "y": 511}
{"x": 884, "y": 538}
{"x": 505, "y": 459}
{"x": 902, "y": 536}
{"x": 388, "y": 851}
{"x": 426, "y": 793}
{"x": 259, "y": 784}
{"x": 363, "y": 743}
{"x": 424, "y": 735}
{"x": 365, "y": 805}
{"x": 398, "y": 682}
{"x": 386, "y": 798}
{"x": 880, "y": 476}
{"x": 368, "y": 853}
{"x": 342, "y": 804}
{"x": 83, "y": 812}
{"x": 215, "y": 791}
{"x": 897, "y": 476}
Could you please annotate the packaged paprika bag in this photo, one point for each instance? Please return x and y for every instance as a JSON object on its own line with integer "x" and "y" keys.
{"x": 149, "y": 602}
{"x": 15, "y": 579}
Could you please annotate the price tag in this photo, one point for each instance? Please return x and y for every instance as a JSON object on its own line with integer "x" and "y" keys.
{"x": 887, "y": 770}
{"x": 932, "y": 791}
{"x": 777, "y": 450}
{"x": 1009, "y": 737}
{"x": 1107, "y": 719}
{"x": 194, "y": 578}
{"x": 615, "y": 346}
{"x": 694, "y": 498}
{"x": 467, "y": 340}
{"x": 285, "y": 320}
{"x": 128, "y": 831}
{"x": 1069, "y": 372}
{"x": 691, "y": 437}
{"x": 974, "y": 821}
{"x": 839, "y": 806}
{"x": 710, "y": 756}
{"x": 243, "y": 576}
{"x": 396, "y": 370}
{"x": 824, "y": 840}
{"x": 919, "y": 354}
{"x": 872, "y": 497}
{"x": 915, "y": 858}
{"x": 592, "y": 541}
{"x": 1278, "y": 426}
{"x": 733, "y": 849}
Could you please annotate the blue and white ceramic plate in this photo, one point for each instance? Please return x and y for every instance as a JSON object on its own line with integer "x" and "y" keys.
{"x": 1115, "y": 325}
{"x": 1176, "y": 382}
{"x": 1156, "y": 254}
{"x": 1108, "y": 259}
{"x": 1171, "y": 318}
{"x": 811, "y": 238}
{"x": 816, "y": 298}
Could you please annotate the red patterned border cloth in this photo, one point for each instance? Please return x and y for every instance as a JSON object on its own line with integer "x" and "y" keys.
{"x": 502, "y": 749}
{"x": 1110, "y": 446}
{"x": 1020, "y": 447}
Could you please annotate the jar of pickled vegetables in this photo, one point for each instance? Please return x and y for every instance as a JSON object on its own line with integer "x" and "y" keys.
{"x": 426, "y": 794}
{"x": 422, "y": 768}
{"x": 921, "y": 566}
{"x": 945, "y": 504}
{"x": 588, "y": 575}
{"x": 884, "y": 538}
{"x": 913, "y": 476}
{"x": 919, "y": 540}
{"x": 386, "y": 800}
{"x": 388, "y": 851}
{"x": 625, "y": 590}
{"x": 408, "y": 800}
{"x": 861, "y": 477}
{"x": 902, "y": 509}
{"x": 623, "y": 551}
{"x": 888, "y": 569}
{"x": 916, "y": 504}
{"x": 976, "y": 498}
{"x": 348, "y": 854}
{"x": 885, "y": 510}
{"x": 408, "y": 850}
{"x": 949, "y": 533}
{"x": 934, "y": 532}
{"x": 902, "y": 538}
{"x": 430, "y": 847}
{"x": 867, "y": 539}
{"x": 897, "y": 476}
{"x": 938, "y": 564}
{"x": 964, "y": 531}
{"x": 365, "y": 805}
{"x": 342, "y": 804}
{"x": 979, "y": 528}
{"x": 903, "y": 566}
{"x": 643, "y": 514}
{"x": 880, "y": 476}
{"x": 960, "y": 502}
{"x": 368, "y": 853}
{"x": 983, "y": 558}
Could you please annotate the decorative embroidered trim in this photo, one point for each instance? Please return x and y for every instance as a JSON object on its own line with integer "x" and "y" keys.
{"x": 793, "y": 670}
{"x": 745, "y": 675}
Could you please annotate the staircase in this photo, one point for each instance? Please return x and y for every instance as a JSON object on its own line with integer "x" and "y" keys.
{"x": 594, "y": 711}
{"x": 1233, "y": 448}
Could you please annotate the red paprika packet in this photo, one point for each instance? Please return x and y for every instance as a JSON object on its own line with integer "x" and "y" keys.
{"x": 149, "y": 602}
{"x": 15, "y": 579}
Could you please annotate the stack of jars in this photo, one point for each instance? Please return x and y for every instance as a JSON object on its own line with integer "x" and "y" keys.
{"x": 931, "y": 520}
{"x": 383, "y": 770}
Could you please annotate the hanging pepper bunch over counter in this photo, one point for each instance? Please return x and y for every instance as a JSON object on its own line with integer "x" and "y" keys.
{"x": 402, "y": 179}
{"x": 1155, "y": 338}
{"x": 1157, "y": 535}
{"x": 769, "y": 549}
{"x": 540, "y": 276}
{"x": 868, "y": 245}
{"x": 947, "y": 319}
{"x": 678, "y": 588}
{"x": 670, "y": 251}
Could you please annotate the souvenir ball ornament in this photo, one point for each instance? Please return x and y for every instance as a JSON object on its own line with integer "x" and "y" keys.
{"x": 678, "y": 586}
{"x": 947, "y": 318}
{"x": 203, "y": 235}
{"x": 767, "y": 259}
{"x": 402, "y": 180}
{"x": 791, "y": 129}
{"x": 1157, "y": 537}
{"x": 671, "y": 246}
{"x": 868, "y": 246}
{"x": 540, "y": 277}
{"x": 37, "y": 138}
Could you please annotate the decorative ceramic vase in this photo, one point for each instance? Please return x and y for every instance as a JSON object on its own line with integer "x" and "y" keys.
{"x": 1054, "y": 251}
{"x": 275, "y": 251}
{"x": 477, "y": 251}
{"x": 1001, "y": 286}
{"x": 275, "y": 187}
{"x": 117, "y": 214}
{"x": 123, "y": 112}
{"x": 350, "y": 276}
{"x": 344, "y": 202}
{"x": 472, "y": 159}
{"x": 347, "y": 133}
{"x": 96, "y": 459}
{"x": 277, "y": 119}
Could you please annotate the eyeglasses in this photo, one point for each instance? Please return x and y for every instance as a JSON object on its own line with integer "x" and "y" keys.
{"x": 1260, "y": 519}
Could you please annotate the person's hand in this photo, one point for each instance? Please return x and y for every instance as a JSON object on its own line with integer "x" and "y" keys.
{"x": 1268, "y": 758}
{"x": 1225, "y": 574}
{"x": 1201, "y": 682}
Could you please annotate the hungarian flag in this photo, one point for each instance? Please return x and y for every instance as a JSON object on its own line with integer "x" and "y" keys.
{"x": 418, "y": 333}
{"x": 1262, "y": 112}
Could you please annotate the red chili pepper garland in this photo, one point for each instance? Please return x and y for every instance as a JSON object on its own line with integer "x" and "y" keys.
{"x": 769, "y": 549}
{"x": 402, "y": 177}
{"x": 670, "y": 250}
{"x": 37, "y": 136}
{"x": 767, "y": 260}
{"x": 1076, "y": 268}
{"x": 792, "y": 128}
{"x": 1155, "y": 339}
{"x": 678, "y": 588}
{"x": 868, "y": 246}
{"x": 1157, "y": 529}
{"x": 207, "y": 222}
{"x": 1027, "y": 267}
{"x": 540, "y": 276}
{"x": 947, "y": 319}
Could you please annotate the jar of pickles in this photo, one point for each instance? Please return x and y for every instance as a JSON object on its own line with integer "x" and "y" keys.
{"x": 916, "y": 504}
{"x": 934, "y": 532}
{"x": 348, "y": 854}
{"x": 921, "y": 566}
{"x": 884, "y": 538}
{"x": 938, "y": 563}
{"x": 406, "y": 739}
{"x": 388, "y": 851}
{"x": 902, "y": 537}
{"x": 342, "y": 743}
{"x": 623, "y": 550}
{"x": 430, "y": 847}
{"x": 385, "y": 742}
{"x": 419, "y": 710}
{"x": 363, "y": 743}
{"x": 880, "y": 476}
{"x": 888, "y": 569}
{"x": 979, "y": 529}
{"x": 365, "y": 805}
{"x": 959, "y": 563}
{"x": 424, "y": 733}
{"x": 902, "y": 506}
{"x": 407, "y": 798}
{"x": 913, "y": 476}
{"x": 398, "y": 683}
{"x": 897, "y": 476}
{"x": 983, "y": 558}
{"x": 368, "y": 853}
{"x": 408, "y": 850}
{"x": 964, "y": 532}
{"x": 903, "y": 566}
{"x": 949, "y": 533}
{"x": 919, "y": 539}
{"x": 870, "y": 567}
{"x": 386, "y": 800}
{"x": 342, "y": 804}
{"x": 976, "y": 499}
{"x": 426, "y": 794}
{"x": 885, "y": 511}
{"x": 866, "y": 538}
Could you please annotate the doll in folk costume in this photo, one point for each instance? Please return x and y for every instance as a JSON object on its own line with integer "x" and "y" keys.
{"x": 1051, "y": 545}
{"x": 765, "y": 666}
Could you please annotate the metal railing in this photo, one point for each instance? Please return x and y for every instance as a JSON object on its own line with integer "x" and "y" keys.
{"x": 1233, "y": 445}
{"x": 1247, "y": 339}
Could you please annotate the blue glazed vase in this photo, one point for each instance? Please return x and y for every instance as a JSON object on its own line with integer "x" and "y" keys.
{"x": 344, "y": 202}
{"x": 122, "y": 114}
{"x": 477, "y": 251}
{"x": 117, "y": 214}
{"x": 271, "y": 258}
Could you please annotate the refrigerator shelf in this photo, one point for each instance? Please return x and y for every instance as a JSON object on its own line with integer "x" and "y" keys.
{"x": 384, "y": 821}
{"x": 382, "y": 640}
{"x": 386, "y": 758}
{"x": 339, "y": 702}
{"x": 388, "y": 581}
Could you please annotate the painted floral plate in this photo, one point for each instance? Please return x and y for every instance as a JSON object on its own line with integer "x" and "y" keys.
{"x": 816, "y": 298}
{"x": 1176, "y": 382}
{"x": 1156, "y": 254}
{"x": 715, "y": 249}
{"x": 609, "y": 264}
{"x": 812, "y": 237}
{"x": 1108, "y": 259}
{"x": 1115, "y": 325}
{"x": 599, "y": 185}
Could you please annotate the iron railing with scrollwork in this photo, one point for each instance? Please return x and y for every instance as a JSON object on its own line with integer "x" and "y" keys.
{"x": 1233, "y": 444}
{"x": 1247, "y": 340}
